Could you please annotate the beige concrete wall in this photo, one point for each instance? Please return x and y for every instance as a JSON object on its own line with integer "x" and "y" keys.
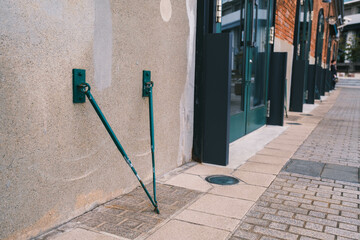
{"x": 56, "y": 159}
{"x": 284, "y": 46}
{"x": 311, "y": 60}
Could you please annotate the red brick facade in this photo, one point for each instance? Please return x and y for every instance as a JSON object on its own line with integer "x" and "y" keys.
{"x": 285, "y": 20}
{"x": 318, "y": 4}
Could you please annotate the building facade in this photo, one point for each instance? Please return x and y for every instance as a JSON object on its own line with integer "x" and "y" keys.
{"x": 236, "y": 41}
{"x": 351, "y": 37}
{"x": 211, "y": 63}
{"x": 57, "y": 160}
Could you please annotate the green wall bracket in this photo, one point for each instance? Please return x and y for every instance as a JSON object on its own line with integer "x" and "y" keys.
{"x": 146, "y": 79}
{"x": 78, "y": 78}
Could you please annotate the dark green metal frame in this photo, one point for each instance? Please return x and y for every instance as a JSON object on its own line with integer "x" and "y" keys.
{"x": 256, "y": 116}
{"x": 78, "y": 79}
{"x": 206, "y": 25}
{"x": 147, "y": 92}
{"x": 318, "y": 53}
{"x": 302, "y": 37}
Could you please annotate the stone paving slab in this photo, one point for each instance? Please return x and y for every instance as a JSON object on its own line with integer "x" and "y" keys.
{"x": 257, "y": 179}
{"x": 241, "y": 191}
{"x": 222, "y": 206}
{"x": 190, "y": 181}
{"x": 261, "y": 168}
{"x": 304, "y": 167}
{"x": 206, "y": 170}
{"x": 178, "y": 230}
{"x": 210, "y": 220}
{"x": 81, "y": 234}
{"x": 268, "y": 159}
{"x": 323, "y": 170}
{"x": 341, "y": 175}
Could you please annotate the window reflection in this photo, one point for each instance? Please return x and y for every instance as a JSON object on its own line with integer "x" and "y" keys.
{"x": 233, "y": 23}
{"x": 258, "y": 58}
{"x": 233, "y": 15}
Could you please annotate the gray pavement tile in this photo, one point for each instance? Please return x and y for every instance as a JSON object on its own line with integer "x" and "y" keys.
{"x": 328, "y": 171}
{"x": 341, "y": 175}
{"x": 342, "y": 168}
{"x": 309, "y": 168}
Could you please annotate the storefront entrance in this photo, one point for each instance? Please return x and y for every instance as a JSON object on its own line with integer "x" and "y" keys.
{"x": 237, "y": 31}
{"x": 248, "y": 23}
{"x": 302, "y": 37}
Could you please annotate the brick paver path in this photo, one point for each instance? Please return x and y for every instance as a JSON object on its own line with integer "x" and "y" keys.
{"x": 336, "y": 138}
{"x": 130, "y": 215}
{"x": 298, "y": 206}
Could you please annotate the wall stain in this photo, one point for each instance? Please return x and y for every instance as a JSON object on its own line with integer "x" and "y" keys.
{"x": 87, "y": 200}
{"x": 44, "y": 223}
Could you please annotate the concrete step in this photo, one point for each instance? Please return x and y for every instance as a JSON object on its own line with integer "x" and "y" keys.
{"x": 348, "y": 82}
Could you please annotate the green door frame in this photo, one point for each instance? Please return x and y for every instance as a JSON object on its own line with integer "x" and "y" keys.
{"x": 302, "y": 38}
{"x": 256, "y": 117}
{"x": 238, "y": 130}
{"x": 328, "y": 75}
{"x": 206, "y": 15}
{"x": 251, "y": 119}
{"x": 318, "y": 53}
{"x": 305, "y": 43}
{"x": 305, "y": 38}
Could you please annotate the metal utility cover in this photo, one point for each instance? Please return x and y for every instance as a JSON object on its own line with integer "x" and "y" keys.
{"x": 222, "y": 180}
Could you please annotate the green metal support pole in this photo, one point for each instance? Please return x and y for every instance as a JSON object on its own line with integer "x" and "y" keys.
{"x": 147, "y": 92}
{"x": 151, "y": 117}
{"x": 85, "y": 88}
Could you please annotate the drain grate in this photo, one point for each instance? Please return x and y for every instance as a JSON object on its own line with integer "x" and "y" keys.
{"x": 306, "y": 114}
{"x": 222, "y": 180}
{"x": 293, "y": 123}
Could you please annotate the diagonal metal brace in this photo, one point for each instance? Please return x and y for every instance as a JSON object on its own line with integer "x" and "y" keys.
{"x": 85, "y": 88}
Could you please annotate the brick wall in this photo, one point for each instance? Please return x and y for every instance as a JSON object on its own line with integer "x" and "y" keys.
{"x": 318, "y": 4}
{"x": 285, "y": 20}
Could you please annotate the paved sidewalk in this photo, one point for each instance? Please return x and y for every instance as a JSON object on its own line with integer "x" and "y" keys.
{"x": 304, "y": 198}
{"x": 316, "y": 197}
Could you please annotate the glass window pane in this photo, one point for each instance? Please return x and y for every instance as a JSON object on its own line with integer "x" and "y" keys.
{"x": 233, "y": 22}
{"x": 259, "y": 52}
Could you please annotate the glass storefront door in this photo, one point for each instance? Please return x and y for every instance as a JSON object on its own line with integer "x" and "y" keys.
{"x": 248, "y": 23}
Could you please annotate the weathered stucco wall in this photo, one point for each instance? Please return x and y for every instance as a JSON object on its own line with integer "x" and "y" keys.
{"x": 56, "y": 159}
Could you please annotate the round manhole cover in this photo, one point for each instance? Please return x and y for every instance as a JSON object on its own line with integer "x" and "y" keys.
{"x": 293, "y": 123}
{"x": 222, "y": 180}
